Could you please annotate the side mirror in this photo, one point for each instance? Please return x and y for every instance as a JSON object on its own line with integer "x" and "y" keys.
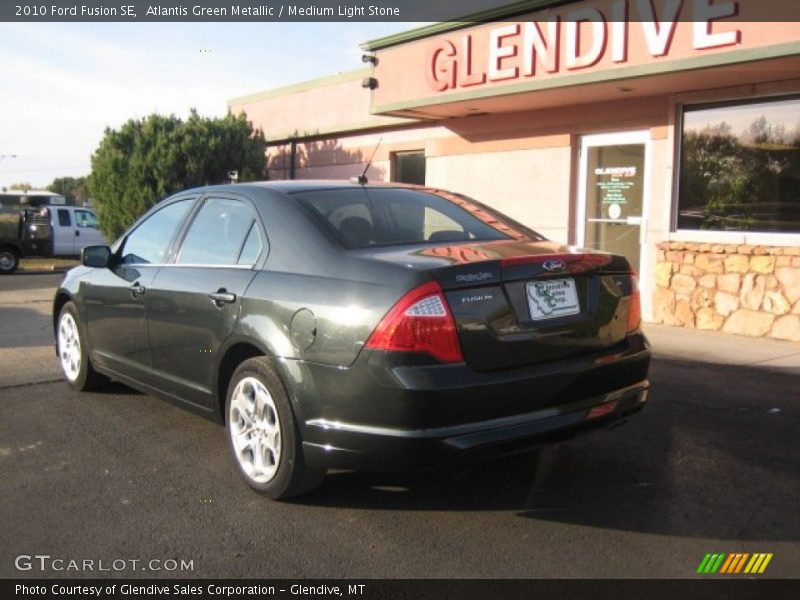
{"x": 98, "y": 257}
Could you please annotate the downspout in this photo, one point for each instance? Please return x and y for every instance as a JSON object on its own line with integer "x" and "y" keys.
{"x": 292, "y": 157}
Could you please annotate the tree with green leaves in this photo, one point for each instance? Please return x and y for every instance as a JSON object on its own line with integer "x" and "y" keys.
{"x": 23, "y": 187}
{"x": 148, "y": 159}
{"x": 74, "y": 189}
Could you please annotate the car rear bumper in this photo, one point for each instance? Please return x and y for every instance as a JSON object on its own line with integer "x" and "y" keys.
{"x": 400, "y": 422}
{"x": 352, "y": 446}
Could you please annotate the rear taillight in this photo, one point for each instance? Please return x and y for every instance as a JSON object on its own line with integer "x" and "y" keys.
{"x": 420, "y": 322}
{"x": 635, "y": 309}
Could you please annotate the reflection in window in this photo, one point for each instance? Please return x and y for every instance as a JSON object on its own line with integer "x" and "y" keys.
{"x": 740, "y": 167}
{"x": 409, "y": 167}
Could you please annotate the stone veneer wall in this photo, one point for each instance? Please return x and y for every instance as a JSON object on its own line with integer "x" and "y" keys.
{"x": 742, "y": 289}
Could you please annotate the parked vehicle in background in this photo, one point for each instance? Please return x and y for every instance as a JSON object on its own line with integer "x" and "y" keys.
{"x": 10, "y": 240}
{"x": 335, "y": 325}
{"x": 45, "y": 231}
{"x": 73, "y": 228}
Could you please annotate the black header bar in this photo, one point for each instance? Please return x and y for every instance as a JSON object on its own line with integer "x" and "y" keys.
{"x": 471, "y": 11}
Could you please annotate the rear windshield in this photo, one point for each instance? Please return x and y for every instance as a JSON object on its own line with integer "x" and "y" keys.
{"x": 365, "y": 217}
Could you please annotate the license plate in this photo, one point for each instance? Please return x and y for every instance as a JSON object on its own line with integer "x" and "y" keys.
{"x": 552, "y": 298}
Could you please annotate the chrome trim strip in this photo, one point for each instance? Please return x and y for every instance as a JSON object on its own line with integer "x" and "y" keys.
{"x": 456, "y": 430}
{"x": 187, "y": 265}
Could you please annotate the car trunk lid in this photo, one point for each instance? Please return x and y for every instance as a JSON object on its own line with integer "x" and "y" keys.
{"x": 517, "y": 303}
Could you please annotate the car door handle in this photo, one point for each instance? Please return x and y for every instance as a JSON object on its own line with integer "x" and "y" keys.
{"x": 222, "y": 296}
{"x": 77, "y": 233}
{"x": 137, "y": 289}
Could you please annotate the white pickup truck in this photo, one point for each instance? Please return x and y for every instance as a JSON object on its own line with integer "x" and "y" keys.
{"x": 73, "y": 228}
{"x": 50, "y": 230}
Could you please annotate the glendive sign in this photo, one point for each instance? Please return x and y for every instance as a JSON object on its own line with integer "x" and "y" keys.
{"x": 574, "y": 40}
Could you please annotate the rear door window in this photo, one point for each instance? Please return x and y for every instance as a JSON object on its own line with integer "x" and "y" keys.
{"x": 220, "y": 234}
{"x": 64, "y": 220}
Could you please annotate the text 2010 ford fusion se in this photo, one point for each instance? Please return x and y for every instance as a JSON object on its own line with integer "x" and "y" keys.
{"x": 338, "y": 325}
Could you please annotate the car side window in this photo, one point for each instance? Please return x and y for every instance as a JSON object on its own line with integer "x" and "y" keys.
{"x": 149, "y": 242}
{"x": 64, "y": 218}
{"x": 84, "y": 218}
{"x": 217, "y": 234}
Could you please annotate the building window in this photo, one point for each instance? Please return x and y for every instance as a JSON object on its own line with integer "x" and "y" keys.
{"x": 409, "y": 167}
{"x": 740, "y": 167}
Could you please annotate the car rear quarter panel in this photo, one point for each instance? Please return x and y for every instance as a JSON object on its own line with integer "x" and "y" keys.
{"x": 314, "y": 318}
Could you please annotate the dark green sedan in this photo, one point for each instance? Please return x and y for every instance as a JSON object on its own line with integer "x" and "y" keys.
{"x": 349, "y": 326}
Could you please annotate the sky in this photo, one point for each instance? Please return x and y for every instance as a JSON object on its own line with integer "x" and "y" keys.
{"x": 63, "y": 84}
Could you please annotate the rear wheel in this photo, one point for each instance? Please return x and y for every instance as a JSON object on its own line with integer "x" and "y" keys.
{"x": 9, "y": 260}
{"x": 263, "y": 435}
{"x": 73, "y": 353}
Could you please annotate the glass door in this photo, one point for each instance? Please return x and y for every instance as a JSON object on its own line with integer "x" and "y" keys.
{"x": 613, "y": 180}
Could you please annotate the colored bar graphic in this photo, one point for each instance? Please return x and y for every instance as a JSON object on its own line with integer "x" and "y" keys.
{"x": 727, "y": 564}
{"x": 754, "y": 562}
{"x": 703, "y": 563}
{"x": 765, "y": 563}
{"x": 734, "y": 560}
{"x": 717, "y": 564}
{"x": 712, "y": 560}
{"x": 740, "y": 564}
{"x": 734, "y": 563}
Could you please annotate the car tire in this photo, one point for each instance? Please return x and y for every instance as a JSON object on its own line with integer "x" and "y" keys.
{"x": 263, "y": 435}
{"x": 73, "y": 353}
{"x": 9, "y": 260}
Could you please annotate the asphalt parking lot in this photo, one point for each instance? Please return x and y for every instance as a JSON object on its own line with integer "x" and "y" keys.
{"x": 710, "y": 466}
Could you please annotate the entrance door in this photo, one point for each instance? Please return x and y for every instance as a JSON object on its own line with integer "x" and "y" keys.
{"x": 613, "y": 180}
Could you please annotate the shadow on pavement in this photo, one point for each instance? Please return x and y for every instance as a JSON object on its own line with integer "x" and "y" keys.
{"x": 712, "y": 456}
{"x": 118, "y": 389}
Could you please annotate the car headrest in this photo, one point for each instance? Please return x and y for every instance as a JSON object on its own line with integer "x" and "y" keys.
{"x": 356, "y": 230}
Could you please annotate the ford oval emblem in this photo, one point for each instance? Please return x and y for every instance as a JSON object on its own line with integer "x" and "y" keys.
{"x": 554, "y": 265}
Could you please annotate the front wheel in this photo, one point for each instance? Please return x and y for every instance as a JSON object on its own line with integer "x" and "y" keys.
{"x": 263, "y": 435}
{"x": 73, "y": 353}
{"x": 9, "y": 260}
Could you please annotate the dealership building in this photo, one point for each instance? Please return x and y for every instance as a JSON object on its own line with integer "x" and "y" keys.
{"x": 664, "y": 130}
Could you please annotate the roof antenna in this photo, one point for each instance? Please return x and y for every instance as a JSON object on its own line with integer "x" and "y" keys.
{"x": 362, "y": 179}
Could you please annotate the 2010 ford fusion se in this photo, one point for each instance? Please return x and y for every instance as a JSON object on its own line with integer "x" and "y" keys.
{"x": 356, "y": 326}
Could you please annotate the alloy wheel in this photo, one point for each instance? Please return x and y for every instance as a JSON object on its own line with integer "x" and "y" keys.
{"x": 69, "y": 347}
{"x": 255, "y": 430}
